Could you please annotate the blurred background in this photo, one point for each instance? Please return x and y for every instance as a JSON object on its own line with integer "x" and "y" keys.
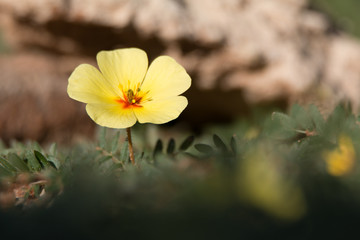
{"x": 240, "y": 54}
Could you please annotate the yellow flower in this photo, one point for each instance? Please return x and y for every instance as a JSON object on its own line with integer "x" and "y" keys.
{"x": 125, "y": 90}
{"x": 341, "y": 160}
{"x": 262, "y": 184}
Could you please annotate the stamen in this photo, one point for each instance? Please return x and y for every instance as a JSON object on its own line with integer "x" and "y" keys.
{"x": 130, "y": 96}
{"x": 133, "y": 98}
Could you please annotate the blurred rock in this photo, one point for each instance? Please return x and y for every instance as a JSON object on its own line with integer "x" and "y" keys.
{"x": 34, "y": 102}
{"x": 260, "y": 50}
{"x": 342, "y": 68}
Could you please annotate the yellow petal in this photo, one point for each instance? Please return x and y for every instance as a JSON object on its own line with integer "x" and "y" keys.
{"x": 165, "y": 78}
{"x": 111, "y": 115}
{"x": 161, "y": 111}
{"x": 123, "y": 67}
{"x": 341, "y": 160}
{"x": 86, "y": 84}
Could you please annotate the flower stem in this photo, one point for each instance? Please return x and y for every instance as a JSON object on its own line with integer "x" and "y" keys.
{"x": 131, "y": 151}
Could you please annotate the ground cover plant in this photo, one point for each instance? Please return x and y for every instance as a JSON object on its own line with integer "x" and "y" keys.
{"x": 281, "y": 176}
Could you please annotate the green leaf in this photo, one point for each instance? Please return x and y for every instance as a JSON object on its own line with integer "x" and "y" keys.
{"x": 53, "y": 149}
{"x": 335, "y": 122}
{"x": 317, "y": 118}
{"x": 114, "y": 167}
{"x": 36, "y": 146}
{"x": 286, "y": 121}
{"x": 158, "y": 147}
{"x": 6, "y": 165}
{"x": 42, "y": 159}
{"x": 33, "y": 163}
{"x": 204, "y": 148}
{"x": 115, "y": 142}
{"x": 54, "y": 161}
{"x": 171, "y": 146}
{"x": 17, "y": 162}
{"x": 4, "y": 172}
{"x": 281, "y": 127}
{"x": 104, "y": 159}
{"x": 219, "y": 143}
{"x": 233, "y": 145}
{"x": 301, "y": 117}
{"x": 187, "y": 143}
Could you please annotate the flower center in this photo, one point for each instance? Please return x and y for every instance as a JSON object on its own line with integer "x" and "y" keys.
{"x": 130, "y": 98}
{"x": 133, "y": 98}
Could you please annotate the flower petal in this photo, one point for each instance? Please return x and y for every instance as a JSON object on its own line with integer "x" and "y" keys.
{"x": 161, "y": 111}
{"x": 123, "y": 67}
{"x": 87, "y": 84}
{"x": 165, "y": 78}
{"x": 111, "y": 115}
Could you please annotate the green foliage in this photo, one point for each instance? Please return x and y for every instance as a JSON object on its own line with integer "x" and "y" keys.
{"x": 187, "y": 143}
{"x": 33, "y": 161}
{"x": 344, "y": 13}
{"x": 285, "y": 172}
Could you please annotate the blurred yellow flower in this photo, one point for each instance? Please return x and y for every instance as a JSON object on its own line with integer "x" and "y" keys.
{"x": 341, "y": 160}
{"x": 125, "y": 90}
{"x": 263, "y": 185}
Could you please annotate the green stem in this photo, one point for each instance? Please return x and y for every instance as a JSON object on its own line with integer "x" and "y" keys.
{"x": 131, "y": 151}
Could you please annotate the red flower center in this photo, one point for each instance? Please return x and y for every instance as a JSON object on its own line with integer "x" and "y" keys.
{"x": 130, "y": 99}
